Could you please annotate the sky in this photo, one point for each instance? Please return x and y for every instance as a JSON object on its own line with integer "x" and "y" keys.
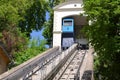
{"x": 38, "y": 34}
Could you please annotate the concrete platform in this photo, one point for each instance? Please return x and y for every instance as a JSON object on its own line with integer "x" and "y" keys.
{"x": 87, "y": 64}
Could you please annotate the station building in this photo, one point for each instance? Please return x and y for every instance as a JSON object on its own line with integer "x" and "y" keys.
{"x": 70, "y": 9}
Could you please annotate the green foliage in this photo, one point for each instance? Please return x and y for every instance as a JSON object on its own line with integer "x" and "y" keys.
{"x": 33, "y": 50}
{"x": 34, "y": 17}
{"x": 13, "y": 39}
{"x": 20, "y": 17}
{"x": 104, "y": 35}
{"x": 48, "y": 29}
{"x": 53, "y": 3}
{"x": 11, "y": 11}
{"x": 17, "y": 19}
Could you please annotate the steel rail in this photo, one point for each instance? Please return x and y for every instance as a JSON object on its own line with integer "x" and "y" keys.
{"x": 72, "y": 71}
{"x": 61, "y": 63}
{"x": 76, "y": 77}
{"x": 71, "y": 59}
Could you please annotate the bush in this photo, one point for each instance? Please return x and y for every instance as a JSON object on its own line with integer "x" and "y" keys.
{"x": 32, "y": 51}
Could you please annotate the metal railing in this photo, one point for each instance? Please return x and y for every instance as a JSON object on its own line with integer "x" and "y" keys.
{"x": 27, "y": 69}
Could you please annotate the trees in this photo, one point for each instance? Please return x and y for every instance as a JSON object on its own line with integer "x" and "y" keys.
{"x": 33, "y": 50}
{"x": 48, "y": 26}
{"x": 34, "y": 17}
{"x": 10, "y": 14}
{"x": 104, "y": 34}
{"x": 17, "y": 19}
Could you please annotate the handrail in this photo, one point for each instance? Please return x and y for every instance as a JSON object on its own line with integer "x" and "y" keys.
{"x": 22, "y": 70}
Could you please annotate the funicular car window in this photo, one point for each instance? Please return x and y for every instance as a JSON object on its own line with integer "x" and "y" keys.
{"x": 67, "y": 23}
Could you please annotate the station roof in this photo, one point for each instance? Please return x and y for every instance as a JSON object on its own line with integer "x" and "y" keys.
{"x": 67, "y": 3}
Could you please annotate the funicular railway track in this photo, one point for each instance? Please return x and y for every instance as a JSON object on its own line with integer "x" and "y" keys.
{"x": 70, "y": 71}
{"x": 67, "y": 69}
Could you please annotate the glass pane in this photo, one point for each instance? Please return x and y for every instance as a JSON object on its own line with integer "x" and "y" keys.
{"x": 67, "y": 23}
